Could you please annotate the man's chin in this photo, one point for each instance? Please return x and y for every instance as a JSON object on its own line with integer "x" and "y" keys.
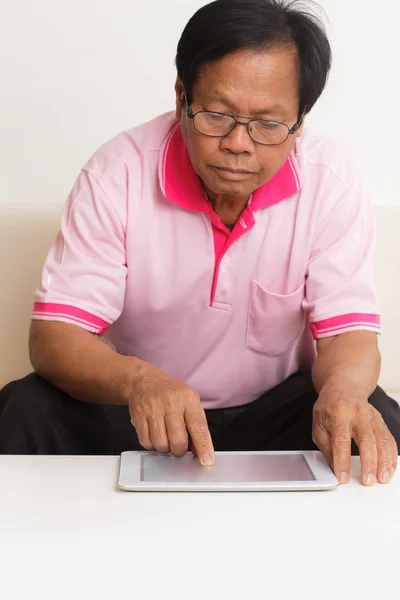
{"x": 230, "y": 188}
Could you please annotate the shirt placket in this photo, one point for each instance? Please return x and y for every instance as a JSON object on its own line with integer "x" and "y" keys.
{"x": 222, "y": 292}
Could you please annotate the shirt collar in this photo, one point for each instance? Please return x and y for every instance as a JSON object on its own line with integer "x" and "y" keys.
{"x": 181, "y": 184}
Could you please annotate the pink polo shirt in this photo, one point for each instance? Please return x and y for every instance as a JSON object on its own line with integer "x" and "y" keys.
{"x": 142, "y": 258}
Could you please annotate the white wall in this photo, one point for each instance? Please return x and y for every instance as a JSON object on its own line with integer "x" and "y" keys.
{"x": 75, "y": 73}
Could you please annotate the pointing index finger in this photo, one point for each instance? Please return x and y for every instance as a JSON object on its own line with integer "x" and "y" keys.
{"x": 197, "y": 427}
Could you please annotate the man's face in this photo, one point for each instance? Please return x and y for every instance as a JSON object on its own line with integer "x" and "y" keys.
{"x": 262, "y": 84}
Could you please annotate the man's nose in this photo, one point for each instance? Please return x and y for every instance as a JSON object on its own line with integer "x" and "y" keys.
{"x": 238, "y": 140}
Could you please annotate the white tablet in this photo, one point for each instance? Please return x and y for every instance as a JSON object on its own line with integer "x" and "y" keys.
{"x": 232, "y": 472}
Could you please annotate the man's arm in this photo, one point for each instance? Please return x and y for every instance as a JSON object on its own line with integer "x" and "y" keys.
{"x": 350, "y": 360}
{"x": 345, "y": 375}
{"x": 81, "y": 364}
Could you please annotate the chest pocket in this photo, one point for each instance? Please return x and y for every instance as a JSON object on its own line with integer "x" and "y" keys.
{"x": 275, "y": 321}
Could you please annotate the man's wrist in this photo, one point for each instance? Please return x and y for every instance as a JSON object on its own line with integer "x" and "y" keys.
{"x": 129, "y": 376}
{"x": 343, "y": 386}
{"x": 136, "y": 372}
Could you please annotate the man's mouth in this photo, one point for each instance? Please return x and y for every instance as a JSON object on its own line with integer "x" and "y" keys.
{"x": 233, "y": 174}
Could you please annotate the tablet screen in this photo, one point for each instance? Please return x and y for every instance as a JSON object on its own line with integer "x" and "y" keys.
{"x": 228, "y": 468}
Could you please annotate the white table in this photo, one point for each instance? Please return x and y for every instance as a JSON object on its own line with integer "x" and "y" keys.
{"x": 67, "y": 532}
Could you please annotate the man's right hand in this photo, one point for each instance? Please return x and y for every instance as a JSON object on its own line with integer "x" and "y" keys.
{"x": 164, "y": 410}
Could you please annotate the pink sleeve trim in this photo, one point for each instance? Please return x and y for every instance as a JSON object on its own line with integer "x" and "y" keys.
{"x": 69, "y": 314}
{"x": 343, "y": 323}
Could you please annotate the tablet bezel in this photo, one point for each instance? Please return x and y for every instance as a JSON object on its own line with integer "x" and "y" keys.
{"x": 130, "y": 476}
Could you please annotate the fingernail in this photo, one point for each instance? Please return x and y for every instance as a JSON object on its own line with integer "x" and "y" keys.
{"x": 343, "y": 477}
{"x": 207, "y": 460}
{"x": 392, "y": 472}
{"x": 385, "y": 477}
{"x": 371, "y": 479}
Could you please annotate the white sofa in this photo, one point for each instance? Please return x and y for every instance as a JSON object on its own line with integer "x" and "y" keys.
{"x": 24, "y": 240}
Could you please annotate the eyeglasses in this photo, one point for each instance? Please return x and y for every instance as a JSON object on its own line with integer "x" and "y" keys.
{"x": 216, "y": 124}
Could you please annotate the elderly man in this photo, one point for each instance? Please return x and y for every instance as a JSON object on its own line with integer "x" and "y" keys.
{"x": 211, "y": 287}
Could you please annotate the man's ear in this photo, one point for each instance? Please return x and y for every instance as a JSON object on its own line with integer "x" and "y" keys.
{"x": 299, "y": 132}
{"x": 179, "y": 92}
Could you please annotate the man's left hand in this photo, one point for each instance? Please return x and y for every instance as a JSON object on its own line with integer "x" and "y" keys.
{"x": 337, "y": 420}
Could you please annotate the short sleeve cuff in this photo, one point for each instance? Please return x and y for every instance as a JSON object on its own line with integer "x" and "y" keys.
{"x": 64, "y": 313}
{"x": 344, "y": 324}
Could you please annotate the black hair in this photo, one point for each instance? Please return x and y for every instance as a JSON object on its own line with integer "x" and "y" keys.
{"x": 226, "y": 26}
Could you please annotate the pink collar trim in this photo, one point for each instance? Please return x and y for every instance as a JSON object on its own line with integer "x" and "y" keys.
{"x": 181, "y": 184}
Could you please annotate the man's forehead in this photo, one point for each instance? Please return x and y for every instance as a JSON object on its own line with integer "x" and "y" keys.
{"x": 260, "y": 105}
{"x": 268, "y": 103}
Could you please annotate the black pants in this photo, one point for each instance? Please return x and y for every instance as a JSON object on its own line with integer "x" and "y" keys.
{"x": 38, "y": 418}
